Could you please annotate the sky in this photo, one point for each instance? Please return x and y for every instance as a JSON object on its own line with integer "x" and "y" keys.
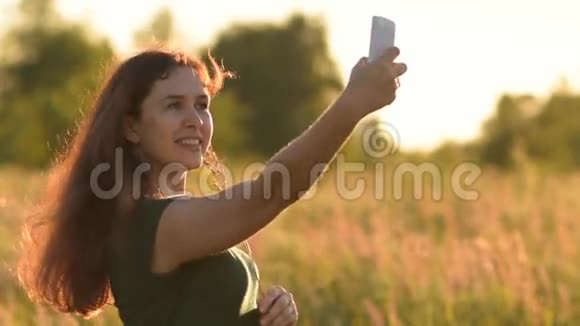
{"x": 461, "y": 55}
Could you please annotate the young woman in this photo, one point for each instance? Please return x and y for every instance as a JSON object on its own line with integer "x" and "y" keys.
{"x": 115, "y": 226}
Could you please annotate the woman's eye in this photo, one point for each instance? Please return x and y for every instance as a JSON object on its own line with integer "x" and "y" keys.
{"x": 202, "y": 106}
{"x": 174, "y": 105}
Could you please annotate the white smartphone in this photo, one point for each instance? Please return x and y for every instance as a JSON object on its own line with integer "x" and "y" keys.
{"x": 382, "y": 36}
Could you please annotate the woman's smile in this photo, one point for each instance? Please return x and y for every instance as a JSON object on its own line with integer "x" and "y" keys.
{"x": 190, "y": 143}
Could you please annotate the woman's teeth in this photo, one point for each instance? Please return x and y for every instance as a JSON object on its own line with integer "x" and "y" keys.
{"x": 189, "y": 141}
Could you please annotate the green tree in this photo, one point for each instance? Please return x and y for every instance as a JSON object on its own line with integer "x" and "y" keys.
{"x": 546, "y": 134}
{"x": 50, "y": 69}
{"x": 159, "y": 30}
{"x": 230, "y": 139}
{"x": 501, "y": 133}
{"x": 286, "y": 77}
{"x": 554, "y": 137}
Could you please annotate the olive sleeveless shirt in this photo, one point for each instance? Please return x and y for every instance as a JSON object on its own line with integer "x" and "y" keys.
{"x": 220, "y": 289}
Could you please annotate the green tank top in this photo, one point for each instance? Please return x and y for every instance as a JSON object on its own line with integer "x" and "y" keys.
{"x": 219, "y": 289}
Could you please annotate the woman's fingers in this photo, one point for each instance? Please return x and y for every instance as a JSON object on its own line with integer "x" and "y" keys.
{"x": 390, "y": 54}
{"x": 362, "y": 61}
{"x": 399, "y": 69}
{"x": 278, "y": 308}
{"x": 288, "y": 317}
{"x": 372, "y": 86}
{"x": 271, "y": 295}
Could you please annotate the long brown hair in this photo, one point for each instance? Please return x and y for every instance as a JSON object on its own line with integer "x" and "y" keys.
{"x": 63, "y": 263}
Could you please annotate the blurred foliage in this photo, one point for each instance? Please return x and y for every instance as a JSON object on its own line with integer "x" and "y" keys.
{"x": 49, "y": 70}
{"x": 554, "y": 137}
{"x": 502, "y": 132}
{"x": 286, "y": 77}
{"x": 230, "y": 138}
{"x": 525, "y": 130}
{"x": 53, "y": 70}
{"x": 159, "y": 30}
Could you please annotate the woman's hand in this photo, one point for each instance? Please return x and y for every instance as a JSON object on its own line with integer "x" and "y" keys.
{"x": 278, "y": 308}
{"x": 372, "y": 85}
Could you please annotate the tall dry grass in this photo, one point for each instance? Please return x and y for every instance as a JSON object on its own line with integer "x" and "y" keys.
{"x": 510, "y": 257}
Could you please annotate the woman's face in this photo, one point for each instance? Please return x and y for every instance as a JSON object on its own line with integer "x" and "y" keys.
{"x": 175, "y": 125}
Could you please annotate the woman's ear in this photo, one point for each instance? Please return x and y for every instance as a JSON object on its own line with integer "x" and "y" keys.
{"x": 130, "y": 130}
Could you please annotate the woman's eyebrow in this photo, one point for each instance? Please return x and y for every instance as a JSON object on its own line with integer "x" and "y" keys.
{"x": 181, "y": 97}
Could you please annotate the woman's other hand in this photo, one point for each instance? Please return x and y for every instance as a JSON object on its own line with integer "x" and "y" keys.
{"x": 277, "y": 308}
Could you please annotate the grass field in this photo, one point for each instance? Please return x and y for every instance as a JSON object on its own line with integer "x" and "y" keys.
{"x": 508, "y": 258}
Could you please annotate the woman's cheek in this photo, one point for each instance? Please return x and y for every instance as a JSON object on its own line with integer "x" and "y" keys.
{"x": 162, "y": 140}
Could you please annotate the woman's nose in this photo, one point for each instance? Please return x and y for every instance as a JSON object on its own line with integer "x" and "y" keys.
{"x": 192, "y": 118}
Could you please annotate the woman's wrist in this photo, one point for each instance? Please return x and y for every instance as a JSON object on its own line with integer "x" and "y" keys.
{"x": 349, "y": 107}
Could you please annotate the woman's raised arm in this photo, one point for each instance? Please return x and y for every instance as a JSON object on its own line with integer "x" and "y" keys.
{"x": 197, "y": 227}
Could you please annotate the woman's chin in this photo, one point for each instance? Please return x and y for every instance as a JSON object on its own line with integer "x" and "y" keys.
{"x": 193, "y": 162}
{"x": 188, "y": 161}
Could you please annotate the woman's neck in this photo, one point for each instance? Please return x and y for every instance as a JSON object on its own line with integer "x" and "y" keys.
{"x": 162, "y": 184}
